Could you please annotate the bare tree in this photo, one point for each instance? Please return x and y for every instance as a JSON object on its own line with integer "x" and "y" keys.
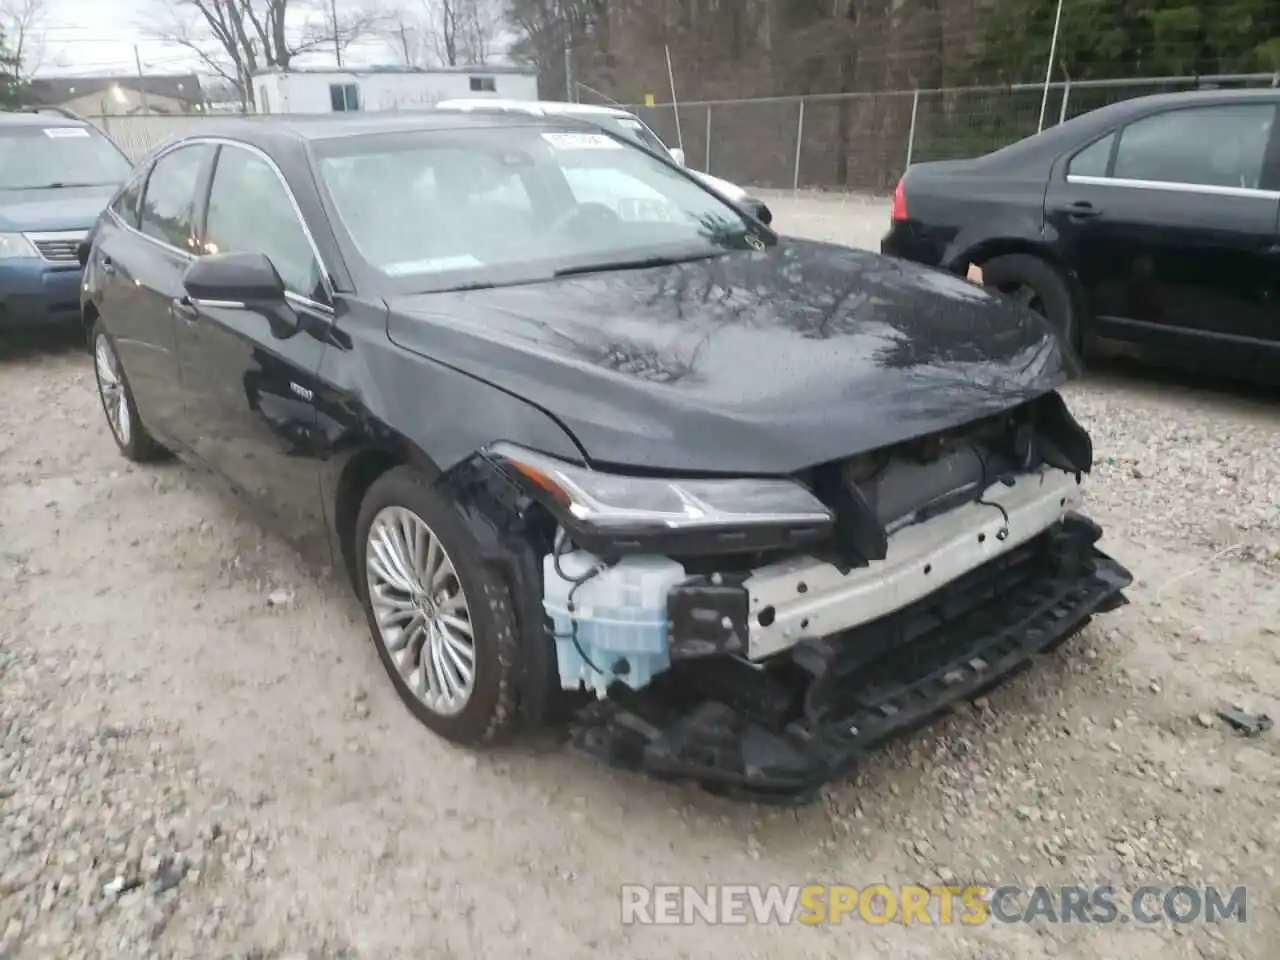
{"x": 23, "y": 23}
{"x": 547, "y": 28}
{"x": 479, "y": 26}
{"x": 236, "y": 38}
{"x": 447, "y": 33}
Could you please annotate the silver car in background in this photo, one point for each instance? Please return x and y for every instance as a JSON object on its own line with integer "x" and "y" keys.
{"x": 618, "y": 121}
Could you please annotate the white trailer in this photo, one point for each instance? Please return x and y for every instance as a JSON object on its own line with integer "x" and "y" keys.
{"x": 342, "y": 91}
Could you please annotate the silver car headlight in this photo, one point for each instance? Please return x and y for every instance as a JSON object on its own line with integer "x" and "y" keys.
{"x": 616, "y": 513}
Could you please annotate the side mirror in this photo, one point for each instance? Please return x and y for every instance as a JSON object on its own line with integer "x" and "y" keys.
{"x": 241, "y": 281}
{"x": 677, "y": 154}
{"x": 759, "y": 209}
{"x": 82, "y": 252}
{"x": 234, "y": 279}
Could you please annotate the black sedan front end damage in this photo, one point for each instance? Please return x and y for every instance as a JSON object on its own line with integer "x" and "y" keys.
{"x": 777, "y": 734}
{"x": 759, "y": 636}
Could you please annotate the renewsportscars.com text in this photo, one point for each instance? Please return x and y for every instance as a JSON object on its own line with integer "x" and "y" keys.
{"x": 821, "y": 904}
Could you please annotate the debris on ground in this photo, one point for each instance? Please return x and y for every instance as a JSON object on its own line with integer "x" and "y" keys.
{"x": 1250, "y": 724}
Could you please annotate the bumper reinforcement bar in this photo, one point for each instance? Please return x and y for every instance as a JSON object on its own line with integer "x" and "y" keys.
{"x": 778, "y": 735}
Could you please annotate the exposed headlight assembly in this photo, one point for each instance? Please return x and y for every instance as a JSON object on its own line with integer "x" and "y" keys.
{"x": 13, "y": 245}
{"x": 610, "y": 513}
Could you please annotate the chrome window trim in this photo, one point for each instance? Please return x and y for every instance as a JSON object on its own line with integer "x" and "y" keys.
{"x": 1173, "y": 187}
{"x": 325, "y": 279}
{"x": 225, "y": 304}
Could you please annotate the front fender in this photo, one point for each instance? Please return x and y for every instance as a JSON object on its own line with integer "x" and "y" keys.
{"x": 514, "y": 535}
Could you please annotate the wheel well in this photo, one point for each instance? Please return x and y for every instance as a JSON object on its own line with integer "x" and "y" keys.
{"x": 990, "y": 249}
{"x": 357, "y": 477}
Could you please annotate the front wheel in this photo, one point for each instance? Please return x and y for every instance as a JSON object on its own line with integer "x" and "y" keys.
{"x": 442, "y": 622}
{"x": 118, "y": 404}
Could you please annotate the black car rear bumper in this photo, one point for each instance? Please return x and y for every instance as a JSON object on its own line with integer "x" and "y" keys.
{"x": 778, "y": 735}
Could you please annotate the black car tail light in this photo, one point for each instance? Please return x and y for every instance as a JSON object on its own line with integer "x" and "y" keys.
{"x": 900, "y": 200}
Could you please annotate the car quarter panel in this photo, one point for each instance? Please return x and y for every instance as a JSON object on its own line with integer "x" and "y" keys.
{"x": 958, "y": 210}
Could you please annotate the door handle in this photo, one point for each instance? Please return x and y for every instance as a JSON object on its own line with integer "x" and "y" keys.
{"x": 183, "y": 309}
{"x": 1081, "y": 209}
{"x": 108, "y": 267}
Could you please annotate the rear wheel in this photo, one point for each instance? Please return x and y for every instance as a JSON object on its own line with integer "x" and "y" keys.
{"x": 118, "y": 404}
{"x": 1038, "y": 284}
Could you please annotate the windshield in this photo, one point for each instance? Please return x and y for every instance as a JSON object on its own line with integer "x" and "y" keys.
{"x": 36, "y": 157}
{"x": 439, "y": 210}
{"x": 631, "y": 127}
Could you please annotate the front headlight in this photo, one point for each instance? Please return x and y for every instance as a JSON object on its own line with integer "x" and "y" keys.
{"x": 614, "y": 513}
{"x": 16, "y": 245}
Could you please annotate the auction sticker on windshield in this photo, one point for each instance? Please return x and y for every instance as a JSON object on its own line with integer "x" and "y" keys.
{"x": 581, "y": 141}
{"x": 65, "y": 132}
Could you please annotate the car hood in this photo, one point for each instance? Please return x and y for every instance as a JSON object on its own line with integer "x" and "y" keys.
{"x": 748, "y": 363}
{"x": 68, "y": 208}
{"x": 730, "y": 190}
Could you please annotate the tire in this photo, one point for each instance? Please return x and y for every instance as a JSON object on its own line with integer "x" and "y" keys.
{"x": 488, "y": 710}
{"x": 118, "y": 404}
{"x": 1040, "y": 285}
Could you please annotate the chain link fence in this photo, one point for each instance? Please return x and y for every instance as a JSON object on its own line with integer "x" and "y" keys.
{"x": 858, "y": 141}
{"x": 864, "y": 141}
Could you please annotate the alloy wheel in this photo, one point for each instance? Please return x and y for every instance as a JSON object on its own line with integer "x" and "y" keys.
{"x": 421, "y": 612}
{"x": 115, "y": 398}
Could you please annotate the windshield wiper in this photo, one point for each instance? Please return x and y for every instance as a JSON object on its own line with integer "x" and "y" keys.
{"x": 640, "y": 263}
{"x": 60, "y": 185}
{"x": 470, "y": 285}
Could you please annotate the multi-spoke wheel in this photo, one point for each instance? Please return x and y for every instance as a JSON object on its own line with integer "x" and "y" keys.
{"x": 441, "y": 621}
{"x": 421, "y": 610}
{"x": 118, "y": 404}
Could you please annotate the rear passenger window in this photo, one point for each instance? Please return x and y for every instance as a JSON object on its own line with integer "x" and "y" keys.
{"x": 1222, "y": 146}
{"x": 1092, "y": 160}
{"x": 170, "y": 196}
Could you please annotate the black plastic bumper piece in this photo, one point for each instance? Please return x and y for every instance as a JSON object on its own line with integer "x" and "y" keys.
{"x": 778, "y": 735}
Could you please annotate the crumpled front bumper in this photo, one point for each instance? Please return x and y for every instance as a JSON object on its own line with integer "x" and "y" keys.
{"x": 777, "y": 734}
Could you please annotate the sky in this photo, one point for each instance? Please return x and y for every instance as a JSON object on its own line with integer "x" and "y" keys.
{"x": 90, "y": 37}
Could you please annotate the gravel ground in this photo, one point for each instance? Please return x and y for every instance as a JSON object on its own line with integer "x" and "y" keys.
{"x": 191, "y": 770}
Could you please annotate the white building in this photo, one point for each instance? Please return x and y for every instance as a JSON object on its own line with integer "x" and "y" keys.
{"x": 385, "y": 88}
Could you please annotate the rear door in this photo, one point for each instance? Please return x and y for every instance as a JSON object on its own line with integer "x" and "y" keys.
{"x": 1171, "y": 224}
{"x": 142, "y": 254}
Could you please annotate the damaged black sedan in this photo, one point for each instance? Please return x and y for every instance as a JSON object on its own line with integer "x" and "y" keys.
{"x": 593, "y": 443}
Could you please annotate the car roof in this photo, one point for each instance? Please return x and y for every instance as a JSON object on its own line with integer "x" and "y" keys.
{"x": 1051, "y": 141}
{"x": 1138, "y": 106}
{"x": 26, "y": 119}
{"x": 274, "y": 131}
{"x": 534, "y": 107}
{"x": 1213, "y": 97}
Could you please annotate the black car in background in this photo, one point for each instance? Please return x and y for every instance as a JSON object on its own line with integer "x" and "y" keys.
{"x": 1154, "y": 222}
{"x": 769, "y": 501}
